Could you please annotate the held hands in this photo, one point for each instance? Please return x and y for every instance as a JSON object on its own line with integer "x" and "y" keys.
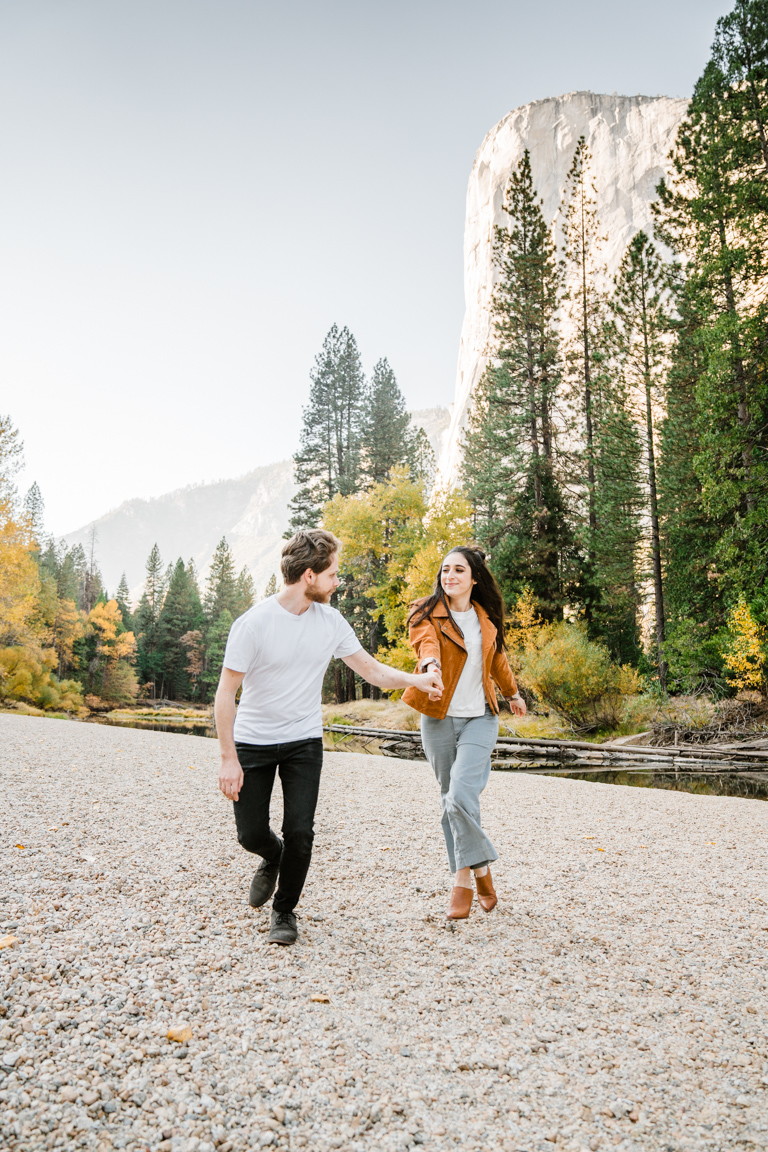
{"x": 430, "y": 682}
{"x": 517, "y": 704}
{"x": 230, "y": 777}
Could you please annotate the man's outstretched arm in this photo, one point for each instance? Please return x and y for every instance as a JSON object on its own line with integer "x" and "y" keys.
{"x": 224, "y": 708}
{"x": 388, "y": 678}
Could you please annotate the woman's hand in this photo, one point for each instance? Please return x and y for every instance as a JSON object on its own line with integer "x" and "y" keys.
{"x": 517, "y": 704}
{"x": 430, "y": 682}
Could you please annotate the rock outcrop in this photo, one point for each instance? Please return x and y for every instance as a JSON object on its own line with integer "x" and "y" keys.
{"x": 630, "y": 138}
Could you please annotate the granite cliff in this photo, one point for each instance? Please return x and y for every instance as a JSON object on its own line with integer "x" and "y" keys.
{"x": 630, "y": 138}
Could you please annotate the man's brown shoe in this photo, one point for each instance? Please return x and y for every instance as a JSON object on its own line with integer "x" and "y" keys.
{"x": 459, "y": 904}
{"x": 486, "y": 893}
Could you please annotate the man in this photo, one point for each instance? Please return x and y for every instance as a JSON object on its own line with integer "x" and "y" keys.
{"x": 279, "y": 651}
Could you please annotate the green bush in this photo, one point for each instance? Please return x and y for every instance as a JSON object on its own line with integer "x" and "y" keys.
{"x": 577, "y": 678}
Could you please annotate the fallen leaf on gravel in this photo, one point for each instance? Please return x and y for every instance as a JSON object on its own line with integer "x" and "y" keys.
{"x": 589, "y": 837}
{"x": 601, "y": 849}
{"x": 18, "y": 845}
{"x": 320, "y": 998}
{"x": 8, "y": 941}
{"x": 192, "y": 768}
{"x": 180, "y": 1033}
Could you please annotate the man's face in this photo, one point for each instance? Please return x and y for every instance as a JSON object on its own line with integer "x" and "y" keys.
{"x": 320, "y": 586}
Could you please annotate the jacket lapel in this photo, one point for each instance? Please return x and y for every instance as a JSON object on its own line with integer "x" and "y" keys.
{"x": 446, "y": 625}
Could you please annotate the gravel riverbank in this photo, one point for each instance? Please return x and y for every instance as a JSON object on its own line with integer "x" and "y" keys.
{"x": 616, "y": 998}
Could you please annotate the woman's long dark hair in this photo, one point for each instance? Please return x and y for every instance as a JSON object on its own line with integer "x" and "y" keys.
{"x": 485, "y": 592}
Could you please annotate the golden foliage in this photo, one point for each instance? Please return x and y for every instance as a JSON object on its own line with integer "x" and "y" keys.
{"x": 744, "y": 654}
{"x": 525, "y": 629}
{"x": 576, "y": 677}
{"x": 26, "y": 673}
{"x": 394, "y": 543}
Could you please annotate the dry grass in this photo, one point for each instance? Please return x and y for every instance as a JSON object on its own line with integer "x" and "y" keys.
{"x": 373, "y": 714}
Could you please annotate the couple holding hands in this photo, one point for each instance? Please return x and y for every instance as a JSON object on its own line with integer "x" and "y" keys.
{"x": 278, "y": 652}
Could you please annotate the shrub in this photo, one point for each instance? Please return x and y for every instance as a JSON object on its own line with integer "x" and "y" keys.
{"x": 577, "y": 678}
{"x": 26, "y": 673}
{"x": 744, "y": 655}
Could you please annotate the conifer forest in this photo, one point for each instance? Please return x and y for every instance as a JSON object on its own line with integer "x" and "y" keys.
{"x": 615, "y": 461}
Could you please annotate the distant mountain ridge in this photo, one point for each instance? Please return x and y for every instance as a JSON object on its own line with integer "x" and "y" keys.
{"x": 250, "y": 510}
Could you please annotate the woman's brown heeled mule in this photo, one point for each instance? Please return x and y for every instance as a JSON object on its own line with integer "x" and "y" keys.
{"x": 460, "y": 903}
{"x": 486, "y": 893}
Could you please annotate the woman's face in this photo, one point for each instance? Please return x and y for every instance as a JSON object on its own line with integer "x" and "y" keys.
{"x": 456, "y": 575}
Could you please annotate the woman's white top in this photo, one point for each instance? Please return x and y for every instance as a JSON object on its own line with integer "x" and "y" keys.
{"x": 469, "y": 698}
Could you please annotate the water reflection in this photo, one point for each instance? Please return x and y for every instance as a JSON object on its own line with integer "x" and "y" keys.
{"x": 750, "y": 785}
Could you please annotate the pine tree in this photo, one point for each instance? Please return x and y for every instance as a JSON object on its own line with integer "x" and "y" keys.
{"x": 181, "y": 613}
{"x": 711, "y": 214}
{"x": 271, "y": 588}
{"x": 215, "y": 646}
{"x": 329, "y": 458}
{"x": 146, "y": 622}
{"x": 420, "y": 458}
{"x": 385, "y": 437}
{"x": 34, "y": 508}
{"x": 619, "y": 505}
{"x": 585, "y": 300}
{"x": 640, "y": 336}
{"x": 221, "y": 593}
{"x": 510, "y": 459}
{"x": 123, "y": 598}
{"x": 245, "y": 593}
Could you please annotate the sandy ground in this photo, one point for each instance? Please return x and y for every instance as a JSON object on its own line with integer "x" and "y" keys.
{"x": 616, "y": 998}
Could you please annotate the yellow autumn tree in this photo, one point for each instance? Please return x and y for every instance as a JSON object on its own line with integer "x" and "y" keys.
{"x": 744, "y": 651}
{"x": 111, "y": 675}
{"x": 27, "y": 603}
{"x": 526, "y": 629}
{"x": 394, "y": 542}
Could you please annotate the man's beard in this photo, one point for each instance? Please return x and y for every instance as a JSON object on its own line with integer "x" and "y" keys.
{"x": 318, "y": 597}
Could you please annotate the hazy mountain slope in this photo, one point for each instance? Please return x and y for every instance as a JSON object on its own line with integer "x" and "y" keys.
{"x": 251, "y": 511}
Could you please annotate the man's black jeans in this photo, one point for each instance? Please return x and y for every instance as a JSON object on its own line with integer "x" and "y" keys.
{"x": 299, "y": 763}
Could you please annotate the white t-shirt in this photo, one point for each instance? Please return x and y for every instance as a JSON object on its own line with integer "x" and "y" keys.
{"x": 469, "y": 697}
{"x": 284, "y": 658}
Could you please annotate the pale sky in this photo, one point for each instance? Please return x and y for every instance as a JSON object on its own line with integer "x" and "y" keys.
{"x": 193, "y": 191}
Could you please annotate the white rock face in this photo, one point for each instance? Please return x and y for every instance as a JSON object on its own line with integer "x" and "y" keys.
{"x": 630, "y": 138}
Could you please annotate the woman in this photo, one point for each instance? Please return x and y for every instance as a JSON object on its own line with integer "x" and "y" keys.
{"x": 460, "y": 629}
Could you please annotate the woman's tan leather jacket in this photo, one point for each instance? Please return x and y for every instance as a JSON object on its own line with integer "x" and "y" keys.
{"x": 437, "y": 638}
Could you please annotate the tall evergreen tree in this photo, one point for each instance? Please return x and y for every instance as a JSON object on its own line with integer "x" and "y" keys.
{"x": 640, "y": 336}
{"x": 329, "y": 457}
{"x": 123, "y": 598}
{"x": 181, "y": 613}
{"x": 146, "y": 622}
{"x": 510, "y": 459}
{"x": 585, "y": 301}
{"x": 221, "y": 591}
{"x": 245, "y": 593}
{"x": 34, "y": 508}
{"x": 385, "y": 438}
{"x": 271, "y": 588}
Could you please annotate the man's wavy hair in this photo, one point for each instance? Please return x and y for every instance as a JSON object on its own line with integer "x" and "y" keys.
{"x": 485, "y": 591}
{"x": 308, "y": 548}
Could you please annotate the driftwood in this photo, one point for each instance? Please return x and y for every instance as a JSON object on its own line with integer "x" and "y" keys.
{"x": 511, "y": 750}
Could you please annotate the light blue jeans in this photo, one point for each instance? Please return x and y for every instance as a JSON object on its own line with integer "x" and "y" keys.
{"x": 459, "y": 750}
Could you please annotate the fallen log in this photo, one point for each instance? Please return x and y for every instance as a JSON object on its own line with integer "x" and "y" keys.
{"x": 572, "y": 750}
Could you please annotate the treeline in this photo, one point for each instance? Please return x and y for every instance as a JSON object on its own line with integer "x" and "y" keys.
{"x": 64, "y": 641}
{"x": 616, "y": 451}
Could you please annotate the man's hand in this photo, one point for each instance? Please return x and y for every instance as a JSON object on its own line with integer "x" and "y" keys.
{"x": 230, "y": 777}
{"x": 517, "y": 704}
{"x": 430, "y": 682}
